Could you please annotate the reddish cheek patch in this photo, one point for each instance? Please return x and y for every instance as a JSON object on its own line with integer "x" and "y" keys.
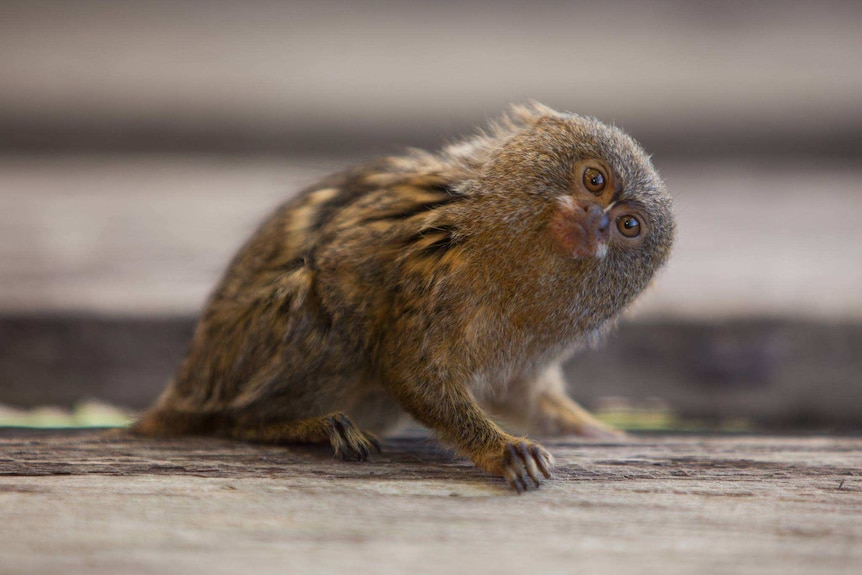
{"x": 569, "y": 229}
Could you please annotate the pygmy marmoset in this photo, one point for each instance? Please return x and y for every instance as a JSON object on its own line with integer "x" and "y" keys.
{"x": 447, "y": 286}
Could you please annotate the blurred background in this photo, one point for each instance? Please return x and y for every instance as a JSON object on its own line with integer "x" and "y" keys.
{"x": 141, "y": 142}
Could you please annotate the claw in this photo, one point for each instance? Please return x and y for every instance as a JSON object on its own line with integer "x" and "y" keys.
{"x": 524, "y": 461}
{"x": 528, "y": 463}
{"x": 372, "y": 439}
{"x": 541, "y": 460}
{"x": 514, "y": 481}
{"x": 350, "y": 443}
{"x": 344, "y": 422}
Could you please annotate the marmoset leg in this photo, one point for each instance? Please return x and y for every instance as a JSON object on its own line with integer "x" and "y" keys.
{"x": 543, "y": 407}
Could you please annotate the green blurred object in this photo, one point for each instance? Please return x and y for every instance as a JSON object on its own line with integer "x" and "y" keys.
{"x": 656, "y": 415}
{"x": 651, "y": 415}
{"x": 85, "y": 414}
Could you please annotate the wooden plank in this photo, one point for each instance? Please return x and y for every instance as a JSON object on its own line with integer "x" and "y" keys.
{"x": 150, "y": 235}
{"x": 167, "y": 75}
{"x": 96, "y": 502}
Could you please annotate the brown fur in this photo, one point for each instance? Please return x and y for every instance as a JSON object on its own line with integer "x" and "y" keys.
{"x": 431, "y": 284}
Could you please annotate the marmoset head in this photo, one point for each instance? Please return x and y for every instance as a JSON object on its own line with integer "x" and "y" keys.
{"x": 586, "y": 195}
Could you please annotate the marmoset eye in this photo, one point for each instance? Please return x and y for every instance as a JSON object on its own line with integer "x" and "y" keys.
{"x": 594, "y": 180}
{"x": 629, "y": 226}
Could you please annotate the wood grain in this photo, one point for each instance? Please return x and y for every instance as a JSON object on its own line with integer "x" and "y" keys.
{"x": 96, "y": 502}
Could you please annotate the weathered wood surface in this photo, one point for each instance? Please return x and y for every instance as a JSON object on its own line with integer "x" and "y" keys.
{"x": 150, "y": 235}
{"x": 90, "y": 502}
{"x": 263, "y": 75}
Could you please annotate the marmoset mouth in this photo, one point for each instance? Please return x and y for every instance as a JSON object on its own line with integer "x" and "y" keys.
{"x": 582, "y": 228}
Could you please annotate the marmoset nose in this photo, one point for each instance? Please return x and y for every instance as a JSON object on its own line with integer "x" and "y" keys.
{"x": 604, "y": 223}
{"x": 597, "y": 219}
